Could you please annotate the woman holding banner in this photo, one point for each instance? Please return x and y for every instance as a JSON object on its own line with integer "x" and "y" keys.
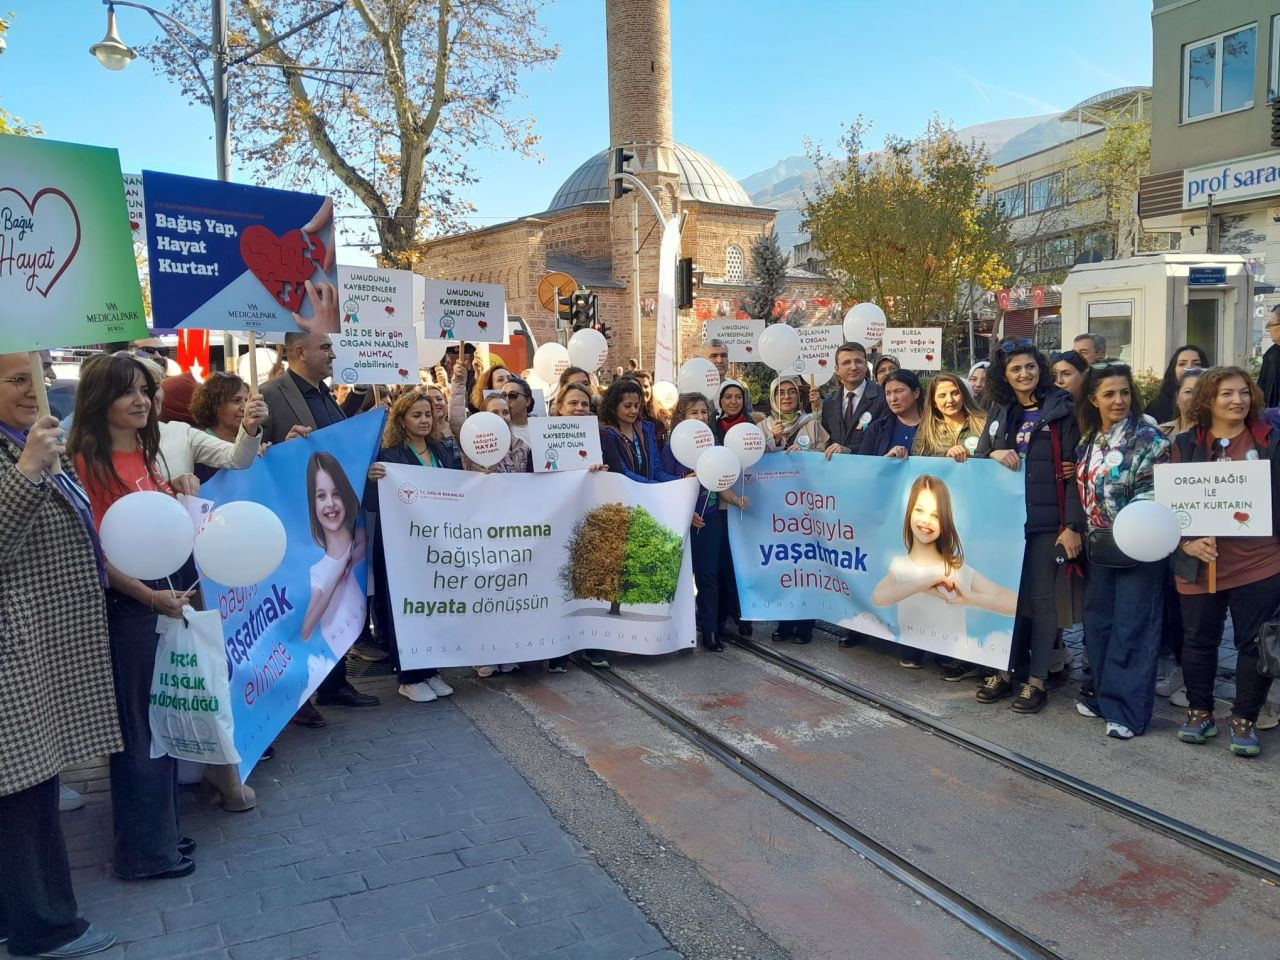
{"x": 952, "y": 421}
{"x": 735, "y": 407}
{"x": 894, "y": 434}
{"x": 115, "y": 438}
{"x": 1227, "y": 411}
{"x": 709, "y": 525}
{"x": 408, "y": 438}
{"x": 629, "y": 442}
{"x": 1123, "y": 599}
{"x": 787, "y": 427}
{"x": 1031, "y": 424}
{"x": 57, "y": 706}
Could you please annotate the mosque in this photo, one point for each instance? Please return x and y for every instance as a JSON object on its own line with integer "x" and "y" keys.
{"x": 590, "y": 236}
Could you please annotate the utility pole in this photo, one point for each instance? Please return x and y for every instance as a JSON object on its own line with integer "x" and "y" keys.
{"x": 635, "y": 277}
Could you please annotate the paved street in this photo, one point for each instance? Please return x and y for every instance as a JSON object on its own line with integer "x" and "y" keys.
{"x": 395, "y": 832}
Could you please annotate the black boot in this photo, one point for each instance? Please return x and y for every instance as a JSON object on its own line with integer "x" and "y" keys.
{"x": 712, "y": 643}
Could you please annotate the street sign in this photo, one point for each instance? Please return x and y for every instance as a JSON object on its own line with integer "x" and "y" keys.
{"x": 1206, "y": 276}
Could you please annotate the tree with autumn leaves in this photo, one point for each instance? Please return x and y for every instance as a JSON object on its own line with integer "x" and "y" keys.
{"x": 620, "y": 554}
{"x": 387, "y": 98}
{"x": 910, "y": 226}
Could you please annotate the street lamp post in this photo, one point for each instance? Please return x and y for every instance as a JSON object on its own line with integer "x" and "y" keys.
{"x": 114, "y": 54}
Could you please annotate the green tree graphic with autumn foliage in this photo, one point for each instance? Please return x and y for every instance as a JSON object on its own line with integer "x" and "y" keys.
{"x": 620, "y": 554}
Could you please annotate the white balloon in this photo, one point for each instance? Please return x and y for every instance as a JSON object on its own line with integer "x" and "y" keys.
{"x": 241, "y": 544}
{"x": 537, "y": 383}
{"x": 549, "y": 361}
{"x": 430, "y": 352}
{"x": 745, "y": 440}
{"x": 718, "y": 469}
{"x": 666, "y": 394}
{"x": 689, "y": 439}
{"x": 266, "y": 360}
{"x": 147, "y": 535}
{"x": 779, "y": 346}
{"x": 485, "y": 437}
{"x": 1146, "y": 531}
{"x": 588, "y": 349}
{"x": 699, "y": 375}
{"x": 865, "y": 324}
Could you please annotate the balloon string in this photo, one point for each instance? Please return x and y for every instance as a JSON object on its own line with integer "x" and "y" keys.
{"x": 705, "y": 497}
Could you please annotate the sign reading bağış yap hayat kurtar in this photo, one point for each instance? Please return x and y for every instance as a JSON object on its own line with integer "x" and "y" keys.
{"x": 67, "y": 273}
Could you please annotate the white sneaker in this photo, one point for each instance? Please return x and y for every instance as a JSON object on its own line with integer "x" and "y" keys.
{"x": 438, "y": 686}
{"x": 486, "y": 671}
{"x": 1179, "y": 698}
{"x": 509, "y": 667}
{"x": 417, "y": 692}
{"x": 1083, "y": 709}
{"x": 1119, "y": 731}
{"x": 1268, "y": 716}
{"x": 1167, "y": 686}
{"x": 69, "y": 799}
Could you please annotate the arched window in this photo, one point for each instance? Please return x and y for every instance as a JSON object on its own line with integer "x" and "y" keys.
{"x": 734, "y": 265}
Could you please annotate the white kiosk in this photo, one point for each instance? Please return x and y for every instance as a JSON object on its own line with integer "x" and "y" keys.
{"x": 1147, "y": 305}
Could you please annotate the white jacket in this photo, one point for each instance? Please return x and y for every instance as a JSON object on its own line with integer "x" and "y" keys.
{"x": 183, "y": 446}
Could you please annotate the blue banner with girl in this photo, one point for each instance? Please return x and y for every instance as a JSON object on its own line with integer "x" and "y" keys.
{"x": 924, "y": 551}
{"x": 284, "y": 635}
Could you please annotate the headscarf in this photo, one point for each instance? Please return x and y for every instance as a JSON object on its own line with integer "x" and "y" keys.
{"x": 744, "y": 416}
{"x": 792, "y": 423}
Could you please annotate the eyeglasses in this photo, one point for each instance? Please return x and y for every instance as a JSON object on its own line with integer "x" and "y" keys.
{"x": 1013, "y": 346}
{"x": 22, "y": 381}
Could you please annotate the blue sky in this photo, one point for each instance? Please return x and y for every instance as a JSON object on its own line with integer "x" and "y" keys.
{"x": 752, "y": 79}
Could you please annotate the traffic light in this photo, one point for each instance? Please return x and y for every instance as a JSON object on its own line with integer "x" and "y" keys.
{"x": 684, "y": 283}
{"x": 564, "y": 309}
{"x": 583, "y": 308}
{"x": 1275, "y": 122}
{"x": 621, "y": 157}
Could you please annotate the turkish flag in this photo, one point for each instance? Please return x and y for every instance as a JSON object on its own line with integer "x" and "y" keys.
{"x": 1002, "y": 298}
{"x": 193, "y": 352}
{"x": 1037, "y": 295}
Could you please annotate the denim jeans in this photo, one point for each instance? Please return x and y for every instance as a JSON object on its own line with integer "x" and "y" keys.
{"x": 37, "y": 905}
{"x": 144, "y": 792}
{"x": 705, "y": 555}
{"x": 1203, "y": 616}
{"x": 1123, "y": 622}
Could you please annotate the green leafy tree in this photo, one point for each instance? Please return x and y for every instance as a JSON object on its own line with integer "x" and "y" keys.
{"x": 620, "y": 554}
{"x": 405, "y": 92}
{"x": 1115, "y": 168}
{"x": 768, "y": 284}
{"x": 909, "y": 226}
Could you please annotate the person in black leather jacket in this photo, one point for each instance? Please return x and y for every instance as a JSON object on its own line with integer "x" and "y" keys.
{"x": 1031, "y": 427}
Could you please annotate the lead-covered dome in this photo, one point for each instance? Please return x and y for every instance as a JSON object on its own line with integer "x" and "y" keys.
{"x": 701, "y": 178}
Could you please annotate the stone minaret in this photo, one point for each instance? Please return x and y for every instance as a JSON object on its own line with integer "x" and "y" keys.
{"x": 639, "y": 44}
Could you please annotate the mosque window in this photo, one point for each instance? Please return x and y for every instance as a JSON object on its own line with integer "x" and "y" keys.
{"x": 734, "y": 265}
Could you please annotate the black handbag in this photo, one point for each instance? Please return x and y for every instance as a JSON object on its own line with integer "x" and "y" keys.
{"x": 1100, "y": 545}
{"x": 1269, "y": 647}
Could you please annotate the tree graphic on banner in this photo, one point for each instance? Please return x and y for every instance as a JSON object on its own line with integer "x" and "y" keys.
{"x": 620, "y": 554}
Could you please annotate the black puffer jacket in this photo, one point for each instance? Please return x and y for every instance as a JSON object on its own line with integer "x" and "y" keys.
{"x": 1042, "y": 474}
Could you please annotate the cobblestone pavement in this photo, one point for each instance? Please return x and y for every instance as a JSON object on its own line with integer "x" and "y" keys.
{"x": 396, "y": 831}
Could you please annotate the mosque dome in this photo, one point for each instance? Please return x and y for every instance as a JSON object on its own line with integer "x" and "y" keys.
{"x": 701, "y": 178}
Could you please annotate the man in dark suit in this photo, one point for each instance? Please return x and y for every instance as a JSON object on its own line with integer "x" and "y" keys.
{"x": 299, "y": 401}
{"x": 848, "y": 412}
{"x": 1269, "y": 375}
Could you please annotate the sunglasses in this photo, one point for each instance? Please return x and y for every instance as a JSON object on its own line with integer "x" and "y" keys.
{"x": 1062, "y": 355}
{"x": 1115, "y": 365}
{"x": 1013, "y": 346}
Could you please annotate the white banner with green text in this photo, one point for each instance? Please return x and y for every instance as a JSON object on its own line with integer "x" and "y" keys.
{"x": 503, "y": 568}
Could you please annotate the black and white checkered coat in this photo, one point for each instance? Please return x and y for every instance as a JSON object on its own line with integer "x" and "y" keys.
{"x": 57, "y": 700}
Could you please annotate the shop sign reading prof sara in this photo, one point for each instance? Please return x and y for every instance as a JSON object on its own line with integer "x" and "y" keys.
{"x": 1257, "y": 176}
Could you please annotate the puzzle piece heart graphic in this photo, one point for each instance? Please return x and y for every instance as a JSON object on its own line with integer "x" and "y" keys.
{"x": 282, "y": 264}
{"x": 54, "y": 229}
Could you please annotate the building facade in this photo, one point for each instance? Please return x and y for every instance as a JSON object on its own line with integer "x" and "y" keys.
{"x": 1215, "y": 174}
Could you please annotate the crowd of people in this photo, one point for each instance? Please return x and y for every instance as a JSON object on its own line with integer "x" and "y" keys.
{"x": 80, "y": 636}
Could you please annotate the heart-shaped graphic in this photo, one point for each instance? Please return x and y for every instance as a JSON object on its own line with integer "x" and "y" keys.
{"x": 134, "y": 225}
{"x": 929, "y": 357}
{"x": 822, "y": 362}
{"x": 403, "y": 373}
{"x": 1241, "y": 517}
{"x": 749, "y": 350}
{"x": 389, "y": 309}
{"x": 582, "y": 454}
{"x": 282, "y": 264}
{"x": 44, "y": 250}
{"x": 482, "y": 325}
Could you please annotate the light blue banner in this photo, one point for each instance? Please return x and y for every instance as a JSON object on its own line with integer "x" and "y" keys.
{"x": 314, "y": 485}
{"x": 924, "y": 551}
